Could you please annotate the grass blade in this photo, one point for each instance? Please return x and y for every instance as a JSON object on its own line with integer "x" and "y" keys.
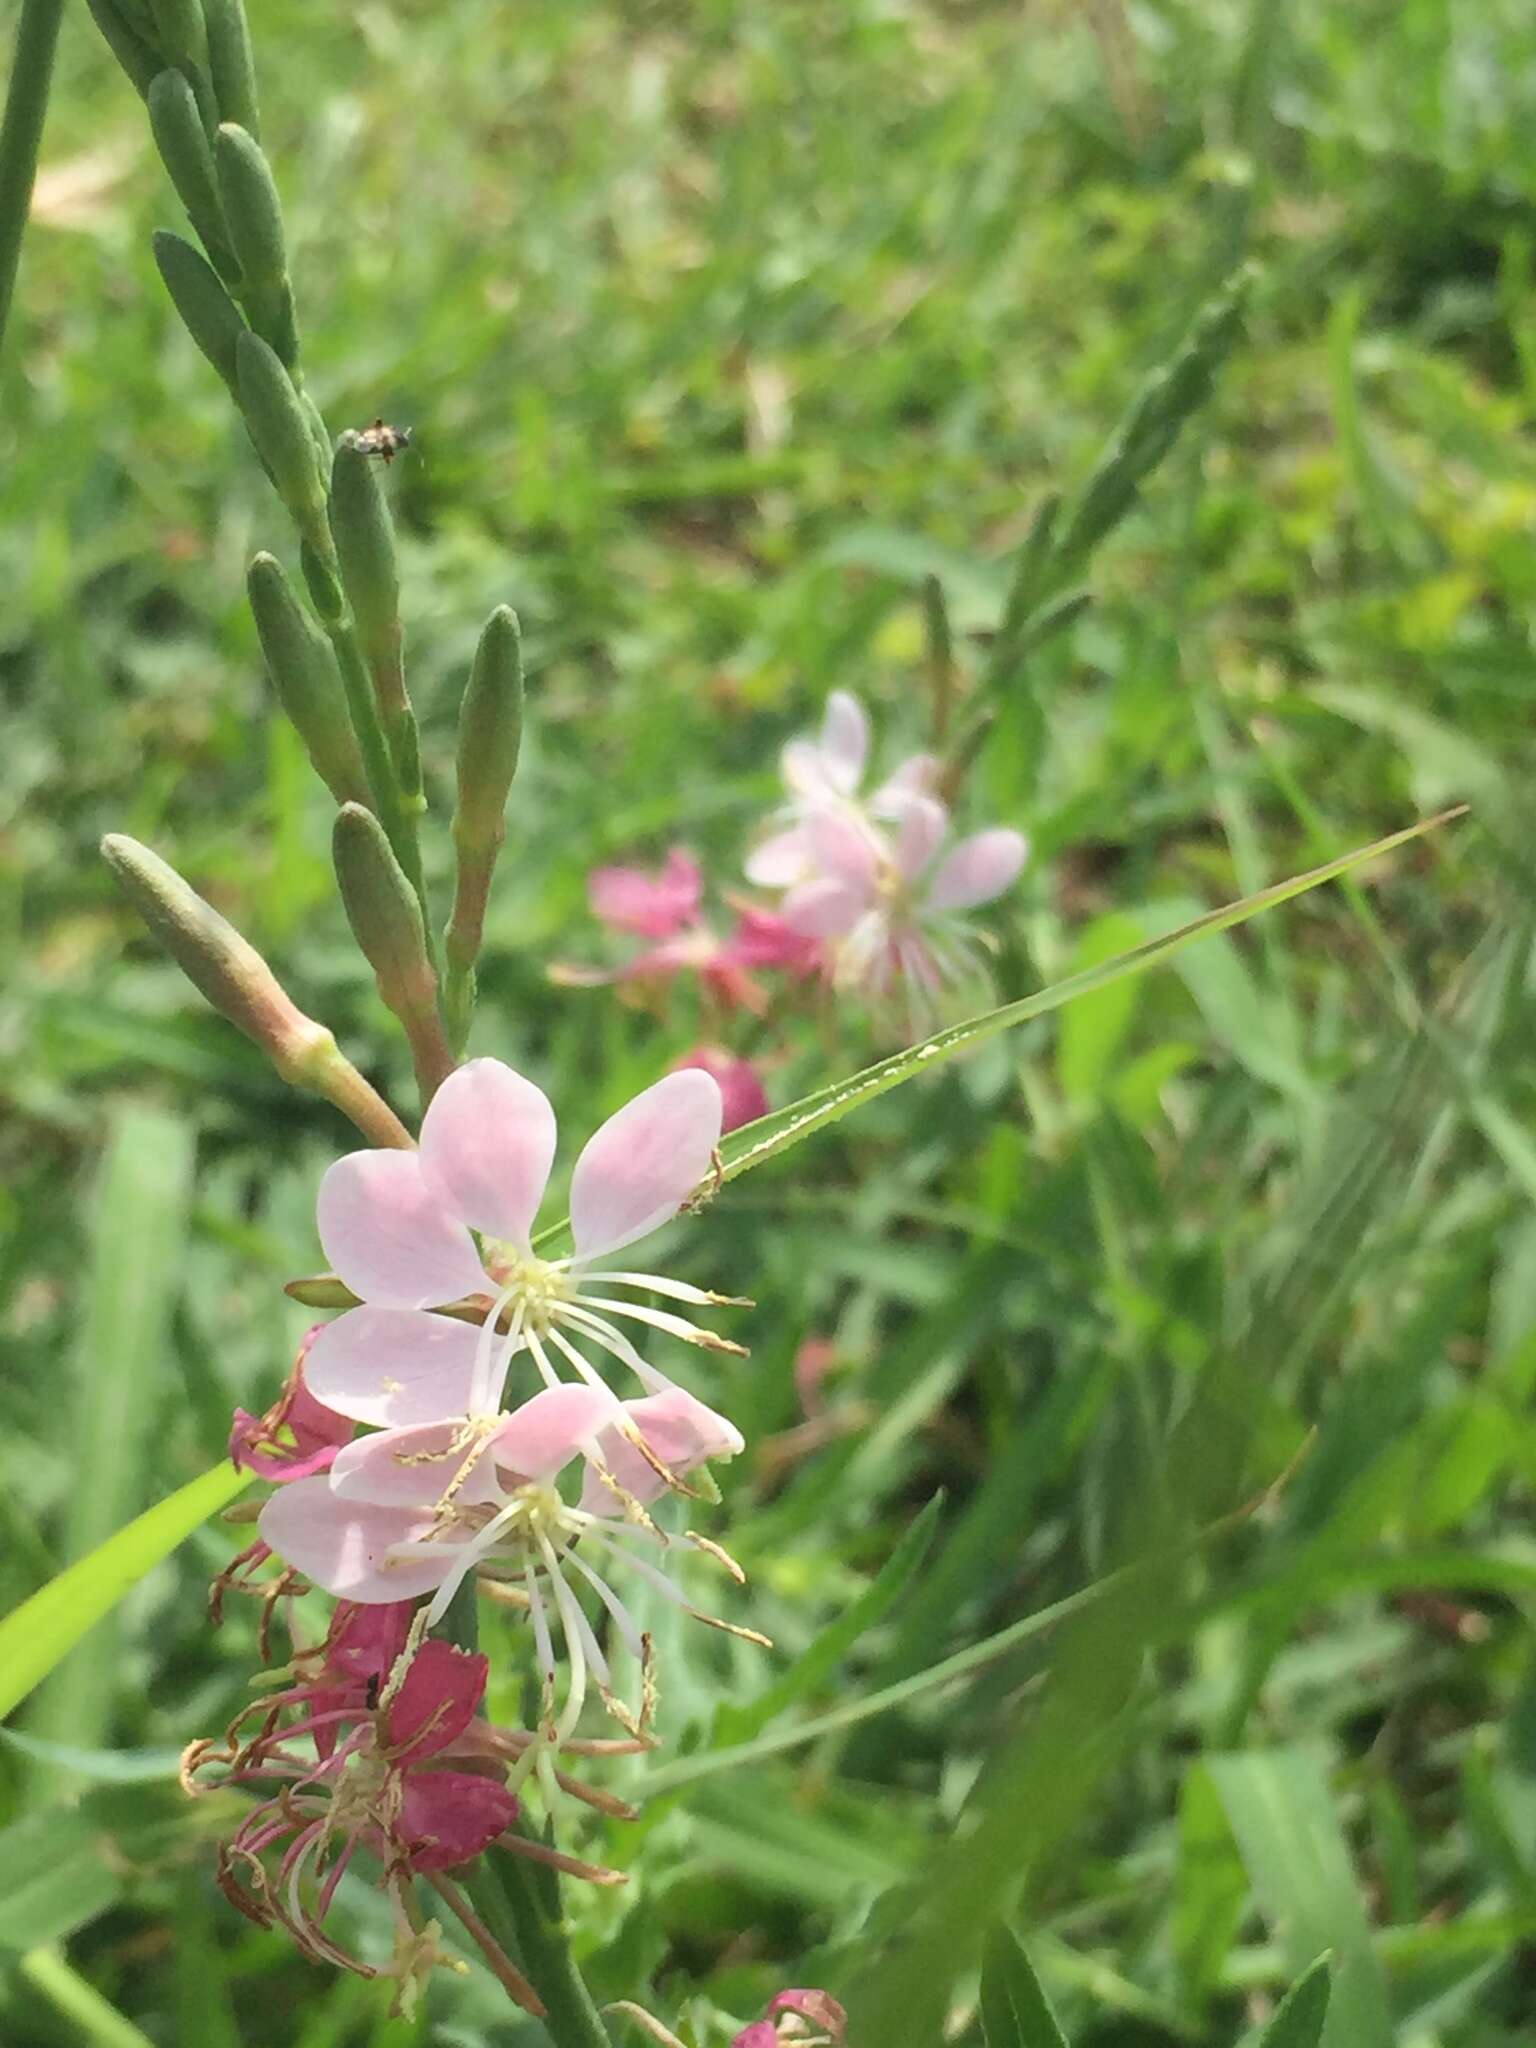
{"x": 1015, "y": 2012}
{"x": 1302, "y": 2013}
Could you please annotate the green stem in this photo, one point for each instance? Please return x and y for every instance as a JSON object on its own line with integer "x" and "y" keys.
{"x": 21, "y": 132}
{"x": 532, "y": 1895}
{"x": 378, "y": 765}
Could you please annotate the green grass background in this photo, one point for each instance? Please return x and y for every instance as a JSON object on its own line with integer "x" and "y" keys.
{"x": 719, "y": 326}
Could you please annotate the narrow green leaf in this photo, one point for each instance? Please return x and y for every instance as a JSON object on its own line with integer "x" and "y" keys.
{"x": 97, "y": 2023}
{"x": 53, "y": 1877}
{"x": 811, "y": 1671}
{"x": 1015, "y": 2012}
{"x": 1287, "y": 1828}
{"x": 105, "y": 1766}
{"x": 1300, "y": 2017}
{"x": 35, "y": 1636}
{"x": 770, "y": 1135}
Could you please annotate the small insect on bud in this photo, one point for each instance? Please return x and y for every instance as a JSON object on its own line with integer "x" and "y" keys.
{"x": 232, "y": 975}
{"x": 383, "y": 440}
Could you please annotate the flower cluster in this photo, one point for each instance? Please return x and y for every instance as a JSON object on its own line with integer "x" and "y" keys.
{"x": 455, "y": 1428}
{"x": 872, "y": 899}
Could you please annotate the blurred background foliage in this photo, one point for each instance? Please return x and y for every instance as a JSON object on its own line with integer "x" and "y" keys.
{"x": 719, "y": 326}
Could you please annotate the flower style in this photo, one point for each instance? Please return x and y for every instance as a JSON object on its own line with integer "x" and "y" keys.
{"x": 888, "y": 904}
{"x": 823, "y": 776}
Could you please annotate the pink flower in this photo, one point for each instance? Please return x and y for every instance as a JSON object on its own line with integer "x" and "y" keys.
{"x": 812, "y": 2018}
{"x": 665, "y": 907}
{"x": 415, "y": 1510}
{"x": 742, "y": 1096}
{"x": 397, "y": 1228}
{"x": 297, "y": 1436}
{"x": 824, "y": 775}
{"x": 763, "y": 939}
{"x": 650, "y": 906}
{"x": 887, "y": 904}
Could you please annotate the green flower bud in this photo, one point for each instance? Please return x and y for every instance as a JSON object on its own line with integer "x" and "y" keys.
{"x": 131, "y": 49}
{"x": 305, "y": 678}
{"x": 254, "y": 217}
{"x": 278, "y": 427}
{"x": 365, "y": 549}
{"x": 240, "y": 985}
{"x": 181, "y": 36}
{"x": 230, "y": 62}
{"x": 385, "y": 916}
{"x": 183, "y": 145}
{"x": 490, "y": 735}
{"x": 207, "y": 311}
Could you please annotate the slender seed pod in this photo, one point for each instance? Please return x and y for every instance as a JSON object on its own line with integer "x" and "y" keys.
{"x": 385, "y": 916}
{"x": 231, "y": 974}
{"x": 279, "y": 429}
{"x": 490, "y": 737}
{"x": 207, "y": 311}
{"x": 306, "y": 680}
{"x": 365, "y": 549}
{"x": 254, "y": 216}
{"x": 183, "y": 145}
{"x": 231, "y": 64}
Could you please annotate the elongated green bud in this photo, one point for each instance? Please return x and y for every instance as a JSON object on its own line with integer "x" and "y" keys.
{"x": 254, "y": 216}
{"x": 305, "y": 677}
{"x": 181, "y": 36}
{"x": 490, "y": 736}
{"x": 365, "y": 549}
{"x": 207, "y": 311}
{"x": 131, "y": 49}
{"x": 385, "y": 916}
{"x": 280, "y": 430}
{"x": 183, "y": 145}
{"x": 240, "y": 985}
{"x": 231, "y": 64}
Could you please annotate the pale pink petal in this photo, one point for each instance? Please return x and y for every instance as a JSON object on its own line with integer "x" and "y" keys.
{"x": 652, "y": 906}
{"x": 486, "y": 1147}
{"x": 541, "y": 1437}
{"x": 388, "y": 1235}
{"x": 394, "y": 1366}
{"x": 916, "y": 776}
{"x": 763, "y": 939}
{"x": 644, "y": 1163}
{"x": 414, "y": 1467}
{"x": 920, "y": 827}
{"x": 823, "y": 910}
{"x": 780, "y": 860}
{"x": 978, "y": 869}
{"x": 844, "y": 741}
{"x": 450, "y": 1817}
{"x": 818, "y": 2006}
{"x": 805, "y": 775}
{"x": 436, "y": 1701}
{"x": 681, "y": 1431}
{"x": 343, "y": 1545}
{"x": 845, "y": 850}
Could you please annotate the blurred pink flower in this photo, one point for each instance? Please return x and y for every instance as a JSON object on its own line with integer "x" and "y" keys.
{"x": 665, "y": 907}
{"x": 812, "y": 2018}
{"x": 650, "y": 906}
{"x": 742, "y": 1096}
{"x": 298, "y": 1435}
{"x": 888, "y": 905}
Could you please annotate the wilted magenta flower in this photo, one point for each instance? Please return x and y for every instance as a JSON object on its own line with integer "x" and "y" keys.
{"x": 812, "y": 2018}
{"x": 742, "y": 1096}
{"x": 297, "y": 1436}
{"x": 361, "y": 1768}
{"x": 666, "y": 908}
{"x": 397, "y": 1228}
{"x": 888, "y": 904}
{"x": 824, "y": 775}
